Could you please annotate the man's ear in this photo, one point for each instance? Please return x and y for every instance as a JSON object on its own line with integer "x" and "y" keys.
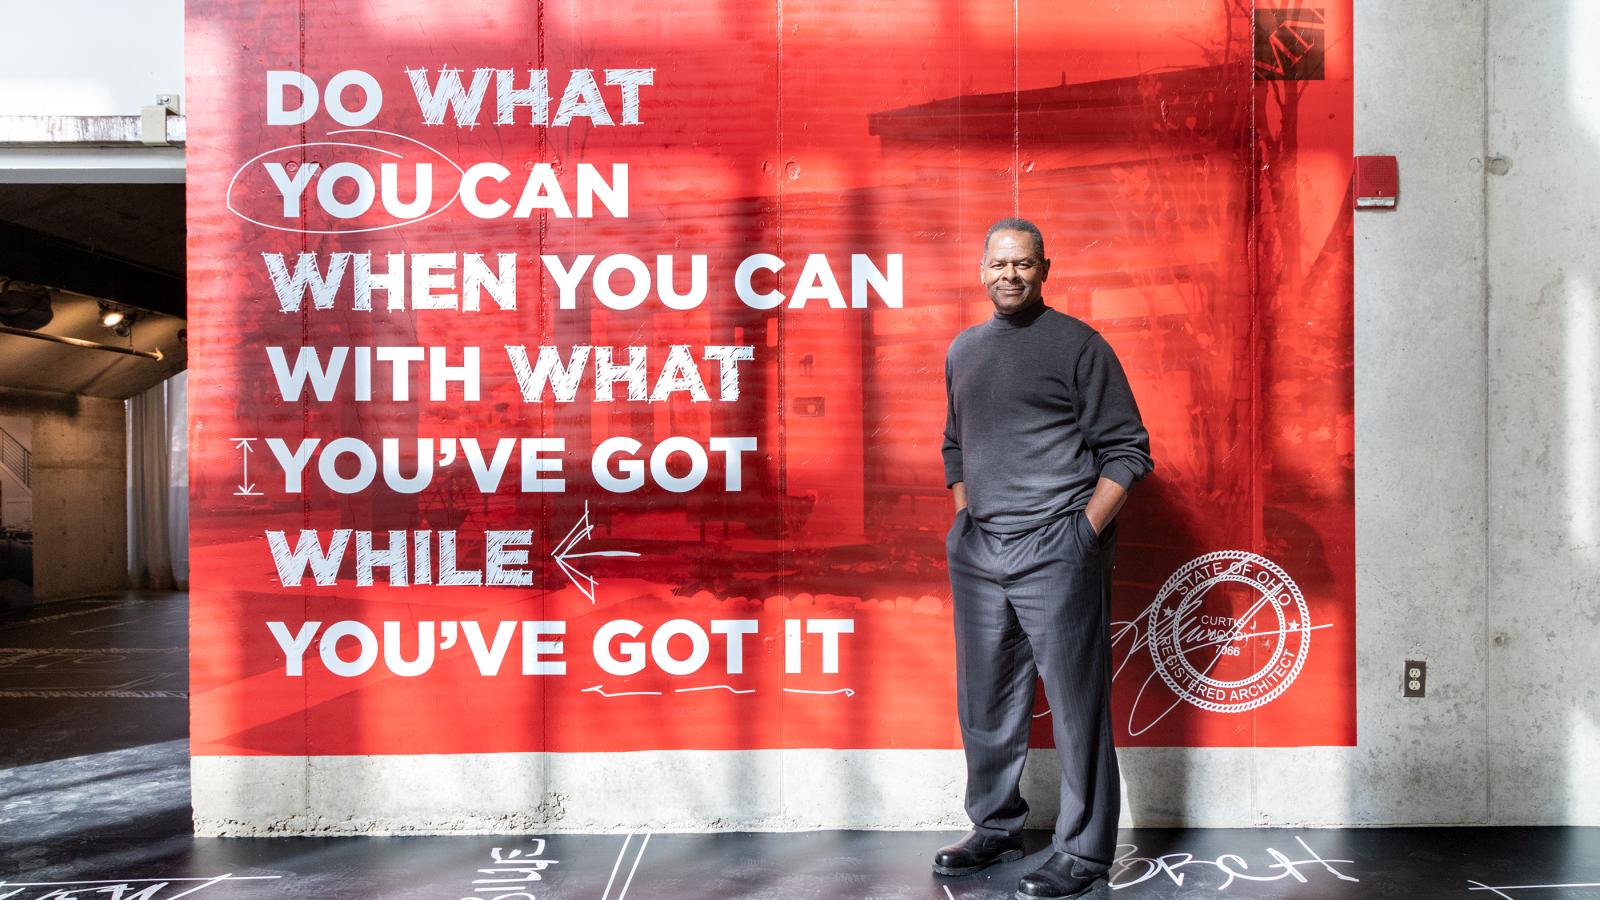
{"x": 1044, "y": 271}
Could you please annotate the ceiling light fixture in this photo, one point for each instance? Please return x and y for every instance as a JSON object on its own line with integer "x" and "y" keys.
{"x": 119, "y": 319}
{"x": 111, "y": 316}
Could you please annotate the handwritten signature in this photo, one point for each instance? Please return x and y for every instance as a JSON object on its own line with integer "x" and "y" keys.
{"x": 1129, "y": 869}
{"x": 1130, "y": 637}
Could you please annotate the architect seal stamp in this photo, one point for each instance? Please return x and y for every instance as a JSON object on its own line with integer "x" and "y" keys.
{"x": 1229, "y": 631}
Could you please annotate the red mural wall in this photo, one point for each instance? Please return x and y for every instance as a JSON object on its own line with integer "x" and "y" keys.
{"x": 664, "y": 522}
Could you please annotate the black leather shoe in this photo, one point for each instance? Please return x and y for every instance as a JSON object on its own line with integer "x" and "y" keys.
{"x": 975, "y": 852}
{"x": 1059, "y": 878}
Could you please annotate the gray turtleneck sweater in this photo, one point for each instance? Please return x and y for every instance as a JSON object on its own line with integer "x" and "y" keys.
{"x": 1038, "y": 410}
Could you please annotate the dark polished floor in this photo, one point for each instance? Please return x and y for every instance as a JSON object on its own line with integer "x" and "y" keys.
{"x": 95, "y": 785}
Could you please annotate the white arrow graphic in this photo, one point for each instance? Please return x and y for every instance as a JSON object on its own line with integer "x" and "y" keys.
{"x": 247, "y": 487}
{"x": 563, "y": 552}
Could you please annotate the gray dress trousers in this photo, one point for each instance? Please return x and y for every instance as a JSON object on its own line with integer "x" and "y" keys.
{"x": 1037, "y": 604}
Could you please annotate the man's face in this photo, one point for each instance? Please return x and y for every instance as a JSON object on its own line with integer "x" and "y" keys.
{"x": 1013, "y": 271}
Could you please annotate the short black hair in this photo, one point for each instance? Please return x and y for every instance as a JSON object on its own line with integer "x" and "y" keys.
{"x": 1012, "y": 223}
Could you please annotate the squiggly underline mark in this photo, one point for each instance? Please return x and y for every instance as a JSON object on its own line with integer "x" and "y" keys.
{"x": 845, "y": 691}
{"x": 597, "y": 689}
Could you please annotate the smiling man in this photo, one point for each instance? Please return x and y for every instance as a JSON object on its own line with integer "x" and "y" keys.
{"x": 1042, "y": 441}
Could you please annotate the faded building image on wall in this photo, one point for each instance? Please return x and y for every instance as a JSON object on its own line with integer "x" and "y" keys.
{"x": 16, "y": 512}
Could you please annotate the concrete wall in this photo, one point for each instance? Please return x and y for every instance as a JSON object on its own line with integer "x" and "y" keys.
{"x": 1477, "y": 520}
{"x": 80, "y": 478}
{"x": 1543, "y": 626}
{"x": 1420, "y": 469}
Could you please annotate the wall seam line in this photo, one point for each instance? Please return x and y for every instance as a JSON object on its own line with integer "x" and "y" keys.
{"x": 1486, "y": 643}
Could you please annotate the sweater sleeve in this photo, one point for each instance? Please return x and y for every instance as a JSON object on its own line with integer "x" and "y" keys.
{"x": 952, "y": 434}
{"x": 1109, "y": 417}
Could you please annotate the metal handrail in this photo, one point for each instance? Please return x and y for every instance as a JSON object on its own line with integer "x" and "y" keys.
{"x": 17, "y": 458}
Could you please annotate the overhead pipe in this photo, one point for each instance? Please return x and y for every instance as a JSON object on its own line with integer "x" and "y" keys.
{"x": 79, "y": 342}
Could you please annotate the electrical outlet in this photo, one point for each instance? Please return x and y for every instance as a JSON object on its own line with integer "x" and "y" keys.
{"x": 1415, "y": 683}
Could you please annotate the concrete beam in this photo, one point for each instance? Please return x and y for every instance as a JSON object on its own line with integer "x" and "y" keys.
{"x": 90, "y": 150}
{"x": 44, "y": 259}
{"x": 85, "y": 131}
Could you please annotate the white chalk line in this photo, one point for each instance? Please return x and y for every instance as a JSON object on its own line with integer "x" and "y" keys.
{"x": 200, "y": 887}
{"x": 616, "y": 865}
{"x": 642, "y": 844}
{"x": 1480, "y": 886}
{"x": 133, "y": 880}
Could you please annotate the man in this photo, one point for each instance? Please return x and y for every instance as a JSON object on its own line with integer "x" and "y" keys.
{"x": 1042, "y": 441}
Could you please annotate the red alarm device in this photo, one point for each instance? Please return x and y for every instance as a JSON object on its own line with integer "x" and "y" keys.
{"x": 1377, "y": 182}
